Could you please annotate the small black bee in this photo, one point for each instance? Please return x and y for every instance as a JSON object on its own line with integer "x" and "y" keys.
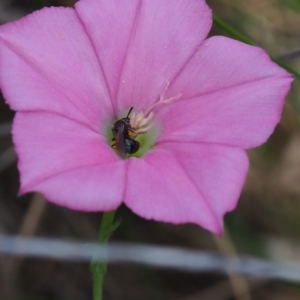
{"x": 124, "y": 135}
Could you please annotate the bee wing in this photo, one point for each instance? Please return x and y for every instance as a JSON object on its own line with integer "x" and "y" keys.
{"x": 120, "y": 136}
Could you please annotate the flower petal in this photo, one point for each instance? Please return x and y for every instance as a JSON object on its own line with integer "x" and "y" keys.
{"x": 231, "y": 94}
{"x": 92, "y": 188}
{"x": 187, "y": 183}
{"x": 48, "y": 63}
{"x": 111, "y": 36}
{"x": 143, "y": 44}
{"x": 67, "y": 161}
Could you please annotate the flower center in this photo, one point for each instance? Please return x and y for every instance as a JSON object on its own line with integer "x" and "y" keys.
{"x": 135, "y": 134}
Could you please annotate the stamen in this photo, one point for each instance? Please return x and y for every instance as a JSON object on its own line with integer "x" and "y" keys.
{"x": 136, "y": 119}
{"x": 144, "y": 130}
{"x": 146, "y": 120}
{"x": 162, "y": 100}
{"x": 139, "y": 120}
{"x": 164, "y": 90}
{"x": 132, "y": 120}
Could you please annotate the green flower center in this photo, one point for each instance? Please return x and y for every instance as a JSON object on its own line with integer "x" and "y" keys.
{"x": 135, "y": 134}
{"x": 132, "y": 135}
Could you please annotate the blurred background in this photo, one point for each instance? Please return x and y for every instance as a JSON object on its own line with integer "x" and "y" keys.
{"x": 266, "y": 223}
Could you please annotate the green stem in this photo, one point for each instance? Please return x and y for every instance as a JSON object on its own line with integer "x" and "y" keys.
{"x": 232, "y": 31}
{"x": 99, "y": 268}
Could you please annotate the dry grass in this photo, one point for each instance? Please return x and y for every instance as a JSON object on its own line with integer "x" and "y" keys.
{"x": 267, "y": 218}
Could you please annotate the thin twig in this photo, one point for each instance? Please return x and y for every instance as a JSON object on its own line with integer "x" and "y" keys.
{"x": 221, "y": 291}
{"x": 5, "y": 129}
{"x": 292, "y": 55}
{"x": 7, "y": 158}
{"x": 238, "y": 283}
{"x": 28, "y": 227}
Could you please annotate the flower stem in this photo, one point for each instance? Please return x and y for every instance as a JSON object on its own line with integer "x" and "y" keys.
{"x": 99, "y": 268}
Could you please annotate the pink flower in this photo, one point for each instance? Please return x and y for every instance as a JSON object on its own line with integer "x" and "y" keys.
{"x": 71, "y": 73}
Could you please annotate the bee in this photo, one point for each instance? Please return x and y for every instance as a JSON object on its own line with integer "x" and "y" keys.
{"x": 124, "y": 137}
